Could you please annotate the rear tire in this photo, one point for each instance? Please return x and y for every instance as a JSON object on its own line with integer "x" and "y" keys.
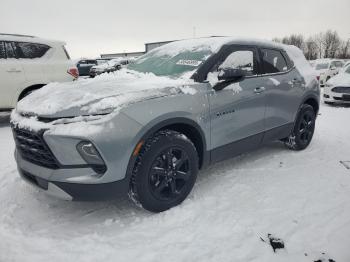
{"x": 165, "y": 171}
{"x": 303, "y": 130}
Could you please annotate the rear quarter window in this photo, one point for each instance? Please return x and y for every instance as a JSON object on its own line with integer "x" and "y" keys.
{"x": 2, "y": 50}
{"x": 30, "y": 50}
{"x": 10, "y": 50}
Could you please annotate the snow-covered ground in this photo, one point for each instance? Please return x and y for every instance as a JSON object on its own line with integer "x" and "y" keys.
{"x": 303, "y": 198}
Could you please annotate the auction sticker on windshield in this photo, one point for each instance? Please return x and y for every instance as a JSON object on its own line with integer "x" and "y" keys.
{"x": 189, "y": 62}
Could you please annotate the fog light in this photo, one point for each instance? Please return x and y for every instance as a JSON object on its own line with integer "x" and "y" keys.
{"x": 89, "y": 153}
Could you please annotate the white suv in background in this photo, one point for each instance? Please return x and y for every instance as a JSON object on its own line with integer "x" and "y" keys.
{"x": 27, "y": 63}
{"x": 327, "y": 68}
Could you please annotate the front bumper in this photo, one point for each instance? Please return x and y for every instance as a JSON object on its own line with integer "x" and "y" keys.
{"x": 335, "y": 97}
{"x": 51, "y": 158}
{"x": 76, "y": 191}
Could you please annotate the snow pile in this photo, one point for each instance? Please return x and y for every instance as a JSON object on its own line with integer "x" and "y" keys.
{"x": 274, "y": 81}
{"x": 94, "y": 96}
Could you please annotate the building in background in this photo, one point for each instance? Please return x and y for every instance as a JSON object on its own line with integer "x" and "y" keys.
{"x": 115, "y": 55}
{"x": 148, "y": 47}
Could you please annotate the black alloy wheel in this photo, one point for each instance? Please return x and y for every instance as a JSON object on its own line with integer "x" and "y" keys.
{"x": 169, "y": 173}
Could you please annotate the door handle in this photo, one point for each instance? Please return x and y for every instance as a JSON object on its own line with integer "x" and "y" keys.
{"x": 259, "y": 90}
{"x": 14, "y": 70}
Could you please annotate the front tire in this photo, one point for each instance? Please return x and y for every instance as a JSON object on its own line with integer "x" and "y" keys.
{"x": 165, "y": 171}
{"x": 303, "y": 130}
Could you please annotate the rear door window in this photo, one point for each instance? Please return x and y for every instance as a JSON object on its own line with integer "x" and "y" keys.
{"x": 31, "y": 50}
{"x": 273, "y": 61}
{"x": 2, "y": 50}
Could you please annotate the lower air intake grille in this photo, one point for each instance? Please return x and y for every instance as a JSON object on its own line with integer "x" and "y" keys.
{"x": 341, "y": 89}
{"x": 32, "y": 147}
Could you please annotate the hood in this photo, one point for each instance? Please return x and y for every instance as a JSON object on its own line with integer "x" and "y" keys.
{"x": 100, "y": 95}
{"x": 342, "y": 79}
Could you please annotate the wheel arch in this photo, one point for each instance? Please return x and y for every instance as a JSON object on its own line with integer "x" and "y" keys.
{"x": 183, "y": 125}
{"x": 28, "y": 89}
{"x": 312, "y": 101}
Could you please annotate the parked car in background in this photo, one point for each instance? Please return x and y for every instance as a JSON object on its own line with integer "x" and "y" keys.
{"x": 312, "y": 62}
{"x": 85, "y": 65}
{"x": 337, "y": 89}
{"x": 109, "y": 66}
{"x": 148, "y": 129}
{"x": 327, "y": 68}
{"x": 27, "y": 63}
{"x": 346, "y": 63}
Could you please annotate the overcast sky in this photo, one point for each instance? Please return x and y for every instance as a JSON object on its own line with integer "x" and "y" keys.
{"x": 105, "y": 26}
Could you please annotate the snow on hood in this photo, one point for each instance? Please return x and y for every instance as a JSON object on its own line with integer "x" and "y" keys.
{"x": 342, "y": 79}
{"x": 101, "y": 94}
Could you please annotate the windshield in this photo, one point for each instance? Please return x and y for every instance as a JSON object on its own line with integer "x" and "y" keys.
{"x": 321, "y": 66}
{"x": 162, "y": 63}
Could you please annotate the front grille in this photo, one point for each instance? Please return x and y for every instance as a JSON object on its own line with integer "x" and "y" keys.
{"x": 341, "y": 89}
{"x": 344, "y": 98}
{"x": 32, "y": 147}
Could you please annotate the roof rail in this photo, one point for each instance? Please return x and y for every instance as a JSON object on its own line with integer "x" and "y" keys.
{"x": 18, "y": 35}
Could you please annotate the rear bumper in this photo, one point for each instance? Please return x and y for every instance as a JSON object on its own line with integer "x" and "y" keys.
{"x": 75, "y": 191}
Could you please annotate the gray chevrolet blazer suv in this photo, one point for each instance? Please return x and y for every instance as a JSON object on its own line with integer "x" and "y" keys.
{"x": 148, "y": 129}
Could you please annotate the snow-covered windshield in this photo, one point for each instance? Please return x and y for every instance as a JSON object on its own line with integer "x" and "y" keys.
{"x": 321, "y": 66}
{"x": 164, "y": 64}
{"x": 177, "y": 58}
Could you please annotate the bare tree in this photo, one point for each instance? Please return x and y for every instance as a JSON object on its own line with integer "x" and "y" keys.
{"x": 277, "y": 40}
{"x": 331, "y": 42}
{"x": 318, "y": 38}
{"x": 311, "y": 49}
{"x": 344, "y": 50}
{"x": 328, "y": 45}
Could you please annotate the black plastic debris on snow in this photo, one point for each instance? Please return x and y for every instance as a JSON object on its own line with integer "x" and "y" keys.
{"x": 276, "y": 243}
{"x": 346, "y": 164}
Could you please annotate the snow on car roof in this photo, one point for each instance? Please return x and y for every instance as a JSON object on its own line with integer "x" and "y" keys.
{"x": 212, "y": 44}
{"x": 30, "y": 39}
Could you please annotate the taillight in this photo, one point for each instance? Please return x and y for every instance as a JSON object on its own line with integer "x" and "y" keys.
{"x": 318, "y": 77}
{"x": 73, "y": 71}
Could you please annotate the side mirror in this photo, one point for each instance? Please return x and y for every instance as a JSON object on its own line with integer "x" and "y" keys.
{"x": 229, "y": 74}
